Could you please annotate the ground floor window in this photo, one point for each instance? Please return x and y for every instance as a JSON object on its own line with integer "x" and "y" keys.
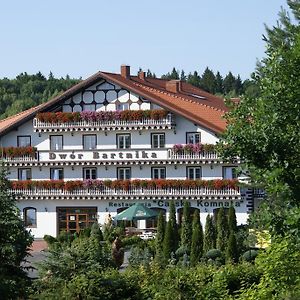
{"x": 73, "y": 219}
{"x": 29, "y": 214}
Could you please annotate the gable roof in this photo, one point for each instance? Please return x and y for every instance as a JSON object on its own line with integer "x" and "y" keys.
{"x": 196, "y": 105}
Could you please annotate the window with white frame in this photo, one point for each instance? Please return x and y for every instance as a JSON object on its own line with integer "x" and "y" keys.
{"x": 24, "y": 174}
{"x": 56, "y": 142}
{"x": 23, "y": 140}
{"x": 193, "y": 138}
{"x": 89, "y": 173}
{"x": 124, "y": 173}
{"x": 158, "y": 173}
{"x": 229, "y": 172}
{"x": 56, "y": 173}
{"x": 123, "y": 141}
{"x": 29, "y": 214}
{"x": 89, "y": 141}
{"x": 193, "y": 173}
{"x": 158, "y": 140}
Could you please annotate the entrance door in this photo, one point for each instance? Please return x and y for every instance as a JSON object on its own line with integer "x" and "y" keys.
{"x": 73, "y": 219}
{"x": 76, "y": 222}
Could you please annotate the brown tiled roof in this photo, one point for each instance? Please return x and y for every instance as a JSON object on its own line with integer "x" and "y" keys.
{"x": 198, "y": 106}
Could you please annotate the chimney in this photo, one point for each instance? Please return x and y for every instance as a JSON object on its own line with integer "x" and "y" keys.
{"x": 125, "y": 71}
{"x": 142, "y": 75}
{"x": 174, "y": 86}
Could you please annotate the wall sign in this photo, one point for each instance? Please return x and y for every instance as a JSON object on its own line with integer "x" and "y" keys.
{"x": 117, "y": 155}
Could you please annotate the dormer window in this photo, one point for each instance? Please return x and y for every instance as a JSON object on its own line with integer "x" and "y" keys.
{"x": 193, "y": 138}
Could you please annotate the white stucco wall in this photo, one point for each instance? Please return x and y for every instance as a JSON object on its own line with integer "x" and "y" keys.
{"x": 106, "y": 141}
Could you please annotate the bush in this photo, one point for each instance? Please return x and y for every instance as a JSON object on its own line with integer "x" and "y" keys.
{"x": 213, "y": 254}
{"x": 131, "y": 240}
{"x": 250, "y": 255}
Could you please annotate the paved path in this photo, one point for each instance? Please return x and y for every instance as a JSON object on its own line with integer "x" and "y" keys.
{"x": 37, "y": 254}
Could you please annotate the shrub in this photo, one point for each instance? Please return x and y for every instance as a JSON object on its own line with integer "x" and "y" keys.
{"x": 213, "y": 254}
{"x": 250, "y": 255}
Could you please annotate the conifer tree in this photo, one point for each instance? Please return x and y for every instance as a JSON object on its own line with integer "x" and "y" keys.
{"x": 168, "y": 243}
{"x": 210, "y": 234}
{"x": 182, "y": 75}
{"x": 194, "y": 79}
{"x": 96, "y": 232}
{"x": 174, "y": 226}
{"x": 219, "y": 83}
{"x": 15, "y": 241}
{"x": 229, "y": 83}
{"x": 232, "y": 249}
{"x": 186, "y": 228}
{"x": 232, "y": 224}
{"x": 238, "y": 86}
{"x": 208, "y": 81}
{"x": 159, "y": 239}
{"x": 197, "y": 239}
{"x": 222, "y": 230}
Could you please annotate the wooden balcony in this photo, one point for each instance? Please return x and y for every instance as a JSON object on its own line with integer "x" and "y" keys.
{"x": 163, "y": 123}
{"x": 132, "y": 193}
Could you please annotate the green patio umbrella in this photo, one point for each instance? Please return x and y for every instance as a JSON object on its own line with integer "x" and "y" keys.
{"x": 136, "y": 212}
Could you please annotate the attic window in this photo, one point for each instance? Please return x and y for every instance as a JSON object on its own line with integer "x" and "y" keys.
{"x": 197, "y": 96}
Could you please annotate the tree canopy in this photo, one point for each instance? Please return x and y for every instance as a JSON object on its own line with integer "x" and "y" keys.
{"x": 264, "y": 130}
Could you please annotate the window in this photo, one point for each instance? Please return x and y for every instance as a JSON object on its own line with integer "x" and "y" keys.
{"x": 123, "y": 141}
{"x": 89, "y": 142}
{"x": 193, "y": 138}
{"x": 24, "y": 174}
{"x": 56, "y": 142}
{"x": 23, "y": 140}
{"x": 193, "y": 173}
{"x": 29, "y": 214}
{"x": 89, "y": 173}
{"x": 56, "y": 173}
{"x": 122, "y": 106}
{"x": 158, "y": 173}
{"x": 124, "y": 173}
{"x": 229, "y": 173}
{"x": 158, "y": 140}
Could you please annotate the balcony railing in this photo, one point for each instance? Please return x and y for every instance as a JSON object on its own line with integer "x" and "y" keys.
{"x": 23, "y": 158}
{"x": 167, "y": 122}
{"x": 211, "y": 155}
{"x": 105, "y": 191}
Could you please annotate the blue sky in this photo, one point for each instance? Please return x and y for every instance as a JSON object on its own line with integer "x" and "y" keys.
{"x": 81, "y": 37}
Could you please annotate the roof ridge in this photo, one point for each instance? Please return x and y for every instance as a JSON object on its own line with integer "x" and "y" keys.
{"x": 175, "y": 96}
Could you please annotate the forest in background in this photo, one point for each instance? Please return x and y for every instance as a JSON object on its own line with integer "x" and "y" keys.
{"x": 26, "y": 91}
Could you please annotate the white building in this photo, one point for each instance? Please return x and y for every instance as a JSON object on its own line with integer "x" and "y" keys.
{"x": 109, "y": 143}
